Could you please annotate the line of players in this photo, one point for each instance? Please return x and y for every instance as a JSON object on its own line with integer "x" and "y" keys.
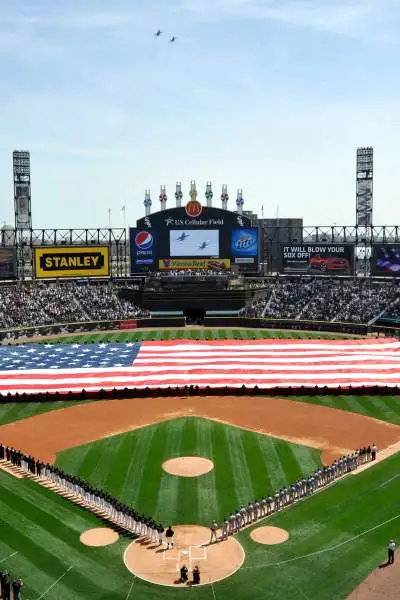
{"x": 115, "y": 511}
{"x": 143, "y": 525}
{"x": 288, "y": 495}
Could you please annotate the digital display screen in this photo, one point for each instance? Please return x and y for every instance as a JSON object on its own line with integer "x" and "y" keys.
{"x": 194, "y": 242}
{"x": 386, "y": 260}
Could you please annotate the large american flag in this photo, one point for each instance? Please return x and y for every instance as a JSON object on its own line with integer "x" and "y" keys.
{"x": 267, "y": 363}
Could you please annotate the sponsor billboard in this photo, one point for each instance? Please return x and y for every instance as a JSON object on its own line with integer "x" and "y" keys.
{"x": 129, "y": 324}
{"x": 217, "y": 264}
{"x": 8, "y": 263}
{"x": 317, "y": 258}
{"x": 72, "y": 261}
{"x": 194, "y": 242}
{"x": 385, "y": 260}
{"x": 143, "y": 248}
{"x": 244, "y": 242}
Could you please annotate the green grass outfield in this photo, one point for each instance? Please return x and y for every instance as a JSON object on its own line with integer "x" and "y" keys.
{"x": 336, "y": 538}
{"x": 201, "y": 333}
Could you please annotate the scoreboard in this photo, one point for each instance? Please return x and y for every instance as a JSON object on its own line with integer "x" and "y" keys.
{"x": 194, "y": 237}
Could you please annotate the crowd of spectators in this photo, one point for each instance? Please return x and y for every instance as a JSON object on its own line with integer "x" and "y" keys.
{"x": 30, "y": 304}
{"x": 332, "y": 300}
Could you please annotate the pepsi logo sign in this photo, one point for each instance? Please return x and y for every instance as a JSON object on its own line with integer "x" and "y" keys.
{"x": 144, "y": 240}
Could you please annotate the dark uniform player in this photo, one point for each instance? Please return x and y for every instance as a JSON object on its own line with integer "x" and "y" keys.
{"x": 184, "y": 573}
{"x": 170, "y": 537}
{"x": 196, "y": 575}
{"x": 16, "y": 586}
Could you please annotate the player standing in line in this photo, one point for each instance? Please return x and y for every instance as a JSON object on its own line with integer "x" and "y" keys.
{"x": 225, "y": 529}
{"x": 391, "y": 551}
{"x": 213, "y": 530}
{"x": 374, "y": 450}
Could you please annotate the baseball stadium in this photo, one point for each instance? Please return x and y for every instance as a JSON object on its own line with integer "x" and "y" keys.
{"x": 205, "y": 404}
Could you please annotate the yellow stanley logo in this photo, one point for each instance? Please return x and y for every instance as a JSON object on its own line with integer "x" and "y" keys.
{"x": 72, "y": 261}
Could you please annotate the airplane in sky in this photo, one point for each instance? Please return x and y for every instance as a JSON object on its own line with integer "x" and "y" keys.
{"x": 182, "y": 237}
{"x": 158, "y": 33}
{"x": 203, "y": 245}
{"x": 173, "y": 39}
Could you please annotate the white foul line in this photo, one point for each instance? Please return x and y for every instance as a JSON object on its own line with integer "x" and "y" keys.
{"x": 8, "y": 557}
{"x": 212, "y": 587}
{"x": 131, "y": 588}
{"x": 329, "y": 549}
{"x": 54, "y": 584}
{"x": 389, "y": 480}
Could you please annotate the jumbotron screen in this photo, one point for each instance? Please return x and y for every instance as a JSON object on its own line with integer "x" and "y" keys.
{"x": 194, "y": 242}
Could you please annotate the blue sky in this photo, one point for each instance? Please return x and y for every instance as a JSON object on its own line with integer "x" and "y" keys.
{"x": 271, "y": 96}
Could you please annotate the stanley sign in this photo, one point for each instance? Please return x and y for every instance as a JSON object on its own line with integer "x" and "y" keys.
{"x": 72, "y": 261}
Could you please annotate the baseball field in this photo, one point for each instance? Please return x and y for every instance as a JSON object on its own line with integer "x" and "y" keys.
{"x": 257, "y": 445}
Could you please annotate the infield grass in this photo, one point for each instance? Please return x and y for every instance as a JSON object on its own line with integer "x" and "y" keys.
{"x": 247, "y": 466}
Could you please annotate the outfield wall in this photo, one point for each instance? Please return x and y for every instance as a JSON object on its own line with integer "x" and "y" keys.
{"x": 392, "y": 330}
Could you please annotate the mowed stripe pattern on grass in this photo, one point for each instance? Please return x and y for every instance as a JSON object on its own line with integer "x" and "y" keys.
{"x": 245, "y": 468}
{"x": 44, "y": 530}
{"x": 267, "y": 363}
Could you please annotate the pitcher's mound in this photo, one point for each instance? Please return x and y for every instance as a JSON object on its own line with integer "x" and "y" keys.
{"x": 188, "y": 466}
{"x": 269, "y": 535}
{"x": 100, "y": 536}
{"x": 151, "y": 562}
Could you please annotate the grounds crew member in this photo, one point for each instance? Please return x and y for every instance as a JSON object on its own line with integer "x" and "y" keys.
{"x": 391, "y": 551}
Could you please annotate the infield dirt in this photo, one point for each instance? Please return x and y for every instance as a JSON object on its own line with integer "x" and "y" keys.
{"x": 330, "y": 430}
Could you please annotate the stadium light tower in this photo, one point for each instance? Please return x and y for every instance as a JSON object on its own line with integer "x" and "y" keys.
{"x": 22, "y": 189}
{"x": 364, "y": 186}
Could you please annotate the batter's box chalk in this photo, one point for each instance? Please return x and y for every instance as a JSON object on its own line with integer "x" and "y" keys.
{"x": 172, "y": 554}
{"x": 197, "y": 553}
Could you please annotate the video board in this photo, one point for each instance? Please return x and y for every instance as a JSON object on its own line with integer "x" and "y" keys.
{"x": 72, "y": 261}
{"x": 193, "y": 237}
{"x": 315, "y": 259}
{"x": 193, "y": 242}
{"x": 8, "y": 263}
{"x": 244, "y": 246}
{"x": 385, "y": 260}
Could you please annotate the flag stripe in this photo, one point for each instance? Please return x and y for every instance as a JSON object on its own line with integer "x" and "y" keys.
{"x": 272, "y": 363}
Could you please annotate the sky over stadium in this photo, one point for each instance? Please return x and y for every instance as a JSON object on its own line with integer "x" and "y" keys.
{"x": 271, "y": 96}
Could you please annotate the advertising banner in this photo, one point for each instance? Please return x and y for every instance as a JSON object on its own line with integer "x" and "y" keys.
{"x": 72, "y": 261}
{"x": 212, "y": 264}
{"x": 142, "y": 249}
{"x": 244, "y": 242}
{"x": 385, "y": 260}
{"x": 22, "y": 206}
{"x": 129, "y": 324}
{"x": 8, "y": 263}
{"x": 314, "y": 259}
{"x": 194, "y": 242}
